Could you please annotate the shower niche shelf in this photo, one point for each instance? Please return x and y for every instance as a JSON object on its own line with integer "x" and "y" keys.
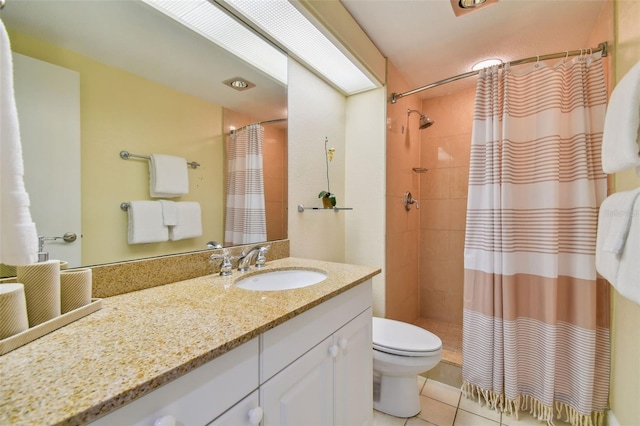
{"x": 302, "y": 208}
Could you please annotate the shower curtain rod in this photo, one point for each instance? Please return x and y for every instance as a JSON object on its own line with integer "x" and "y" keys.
{"x": 277, "y": 120}
{"x": 602, "y": 47}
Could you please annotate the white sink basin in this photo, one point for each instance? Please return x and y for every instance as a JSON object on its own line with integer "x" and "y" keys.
{"x": 281, "y": 280}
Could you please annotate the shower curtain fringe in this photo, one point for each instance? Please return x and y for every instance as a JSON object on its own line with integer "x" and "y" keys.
{"x": 536, "y": 408}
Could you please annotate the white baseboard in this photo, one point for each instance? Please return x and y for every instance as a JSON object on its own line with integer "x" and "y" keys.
{"x": 611, "y": 419}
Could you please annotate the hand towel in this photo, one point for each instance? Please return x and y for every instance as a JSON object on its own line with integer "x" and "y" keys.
{"x": 168, "y": 176}
{"x": 169, "y": 212}
{"x": 628, "y": 278}
{"x": 189, "y": 221}
{"x": 146, "y": 223}
{"x": 620, "y": 140}
{"x": 18, "y": 236}
{"x": 621, "y": 269}
{"x": 620, "y": 209}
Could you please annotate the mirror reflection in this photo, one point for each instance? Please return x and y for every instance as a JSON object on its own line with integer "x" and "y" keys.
{"x": 94, "y": 78}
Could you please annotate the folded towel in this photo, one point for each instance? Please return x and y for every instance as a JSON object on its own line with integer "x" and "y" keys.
{"x": 18, "y": 236}
{"x": 620, "y": 140}
{"x": 168, "y": 176}
{"x": 169, "y": 212}
{"x": 189, "y": 221}
{"x": 628, "y": 279}
{"x": 146, "y": 223}
{"x": 620, "y": 210}
{"x": 621, "y": 269}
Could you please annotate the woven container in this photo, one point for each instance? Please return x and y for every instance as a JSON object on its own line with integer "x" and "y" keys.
{"x": 13, "y": 310}
{"x": 42, "y": 290}
{"x": 75, "y": 289}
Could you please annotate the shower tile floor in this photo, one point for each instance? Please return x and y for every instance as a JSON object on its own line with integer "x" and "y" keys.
{"x": 444, "y": 405}
{"x": 451, "y": 336}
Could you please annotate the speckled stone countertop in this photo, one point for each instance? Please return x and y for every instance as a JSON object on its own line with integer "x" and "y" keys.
{"x": 141, "y": 340}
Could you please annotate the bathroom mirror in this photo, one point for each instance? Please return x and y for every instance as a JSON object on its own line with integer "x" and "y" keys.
{"x": 143, "y": 83}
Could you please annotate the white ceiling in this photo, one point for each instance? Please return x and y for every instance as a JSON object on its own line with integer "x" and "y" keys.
{"x": 426, "y": 42}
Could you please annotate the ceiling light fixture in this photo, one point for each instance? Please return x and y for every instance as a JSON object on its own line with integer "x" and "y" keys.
{"x": 208, "y": 20}
{"x": 486, "y": 64}
{"x": 239, "y": 83}
{"x": 460, "y": 7}
{"x": 293, "y": 32}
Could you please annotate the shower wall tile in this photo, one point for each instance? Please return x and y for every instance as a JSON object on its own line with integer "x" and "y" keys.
{"x": 460, "y": 149}
{"x": 459, "y": 182}
{"x": 435, "y": 244}
{"x": 435, "y": 214}
{"x": 458, "y": 214}
{"x": 435, "y": 184}
{"x": 397, "y": 216}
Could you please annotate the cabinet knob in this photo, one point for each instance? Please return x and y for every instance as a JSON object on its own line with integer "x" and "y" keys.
{"x": 333, "y": 350}
{"x": 167, "y": 420}
{"x": 342, "y": 343}
{"x": 255, "y": 415}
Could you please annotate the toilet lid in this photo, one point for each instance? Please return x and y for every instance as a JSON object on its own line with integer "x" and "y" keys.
{"x": 401, "y": 338}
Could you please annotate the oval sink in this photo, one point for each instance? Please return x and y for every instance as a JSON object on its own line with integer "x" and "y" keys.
{"x": 281, "y": 280}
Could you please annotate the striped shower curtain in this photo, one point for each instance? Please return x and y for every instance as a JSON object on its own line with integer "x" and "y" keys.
{"x": 535, "y": 321}
{"x": 245, "y": 220}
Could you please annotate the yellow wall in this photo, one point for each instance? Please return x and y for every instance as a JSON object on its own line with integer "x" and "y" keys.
{"x": 121, "y": 111}
{"x": 625, "y": 340}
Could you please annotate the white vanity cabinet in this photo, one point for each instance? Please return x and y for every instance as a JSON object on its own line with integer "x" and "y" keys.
{"x": 330, "y": 384}
{"x": 315, "y": 368}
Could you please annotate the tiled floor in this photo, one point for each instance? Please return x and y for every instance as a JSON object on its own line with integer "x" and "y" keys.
{"x": 444, "y": 405}
{"x": 451, "y": 336}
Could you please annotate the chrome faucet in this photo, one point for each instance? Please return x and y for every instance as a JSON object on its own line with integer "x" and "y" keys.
{"x": 245, "y": 260}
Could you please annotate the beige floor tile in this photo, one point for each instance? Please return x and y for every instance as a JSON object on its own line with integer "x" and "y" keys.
{"x": 441, "y": 392}
{"x": 464, "y": 418}
{"x": 526, "y": 419}
{"x": 417, "y": 421}
{"x": 472, "y": 406}
{"x": 382, "y": 419}
{"x": 421, "y": 382}
{"x": 437, "y": 412}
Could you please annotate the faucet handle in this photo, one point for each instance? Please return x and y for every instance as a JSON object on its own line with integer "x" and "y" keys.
{"x": 225, "y": 266}
{"x": 261, "y": 260}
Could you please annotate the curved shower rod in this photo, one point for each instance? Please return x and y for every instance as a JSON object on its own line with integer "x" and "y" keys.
{"x": 602, "y": 47}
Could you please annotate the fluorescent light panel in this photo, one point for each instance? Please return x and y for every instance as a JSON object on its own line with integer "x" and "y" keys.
{"x": 285, "y": 24}
{"x": 212, "y": 23}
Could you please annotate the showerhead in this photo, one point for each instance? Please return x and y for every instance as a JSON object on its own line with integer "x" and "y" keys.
{"x": 424, "y": 120}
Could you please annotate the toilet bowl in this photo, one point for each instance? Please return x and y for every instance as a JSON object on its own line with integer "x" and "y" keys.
{"x": 400, "y": 352}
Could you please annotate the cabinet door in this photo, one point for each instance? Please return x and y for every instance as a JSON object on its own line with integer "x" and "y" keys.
{"x": 302, "y": 393}
{"x": 245, "y": 413}
{"x": 354, "y": 372}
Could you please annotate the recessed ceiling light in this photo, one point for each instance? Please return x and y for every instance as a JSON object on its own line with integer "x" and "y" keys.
{"x": 470, "y": 4}
{"x": 461, "y": 7}
{"x": 485, "y": 64}
{"x": 239, "y": 83}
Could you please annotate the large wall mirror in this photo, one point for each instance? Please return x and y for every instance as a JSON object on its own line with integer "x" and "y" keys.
{"x": 96, "y": 77}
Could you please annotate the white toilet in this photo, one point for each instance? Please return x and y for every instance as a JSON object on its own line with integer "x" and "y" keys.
{"x": 400, "y": 352}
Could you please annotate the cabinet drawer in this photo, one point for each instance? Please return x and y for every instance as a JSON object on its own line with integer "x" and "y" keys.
{"x": 239, "y": 414}
{"x": 282, "y": 345}
{"x": 199, "y": 396}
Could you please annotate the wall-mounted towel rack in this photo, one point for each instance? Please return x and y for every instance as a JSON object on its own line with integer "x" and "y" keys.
{"x": 125, "y": 155}
{"x": 302, "y": 208}
{"x": 124, "y": 206}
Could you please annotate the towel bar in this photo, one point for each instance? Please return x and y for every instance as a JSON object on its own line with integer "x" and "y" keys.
{"x": 125, "y": 155}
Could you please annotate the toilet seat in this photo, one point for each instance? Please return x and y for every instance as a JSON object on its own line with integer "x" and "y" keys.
{"x": 400, "y": 338}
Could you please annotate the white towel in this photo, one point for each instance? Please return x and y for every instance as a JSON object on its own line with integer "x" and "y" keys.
{"x": 621, "y": 137}
{"x": 169, "y": 212}
{"x": 620, "y": 211}
{"x": 18, "y": 236}
{"x": 168, "y": 176}
{"x": 621, "y": 269}
{"x": 189, "y": 221}
{"x": 146, "y": 223}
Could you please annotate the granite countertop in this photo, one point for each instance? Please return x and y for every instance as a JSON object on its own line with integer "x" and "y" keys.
{"x": 141, "y": 340}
